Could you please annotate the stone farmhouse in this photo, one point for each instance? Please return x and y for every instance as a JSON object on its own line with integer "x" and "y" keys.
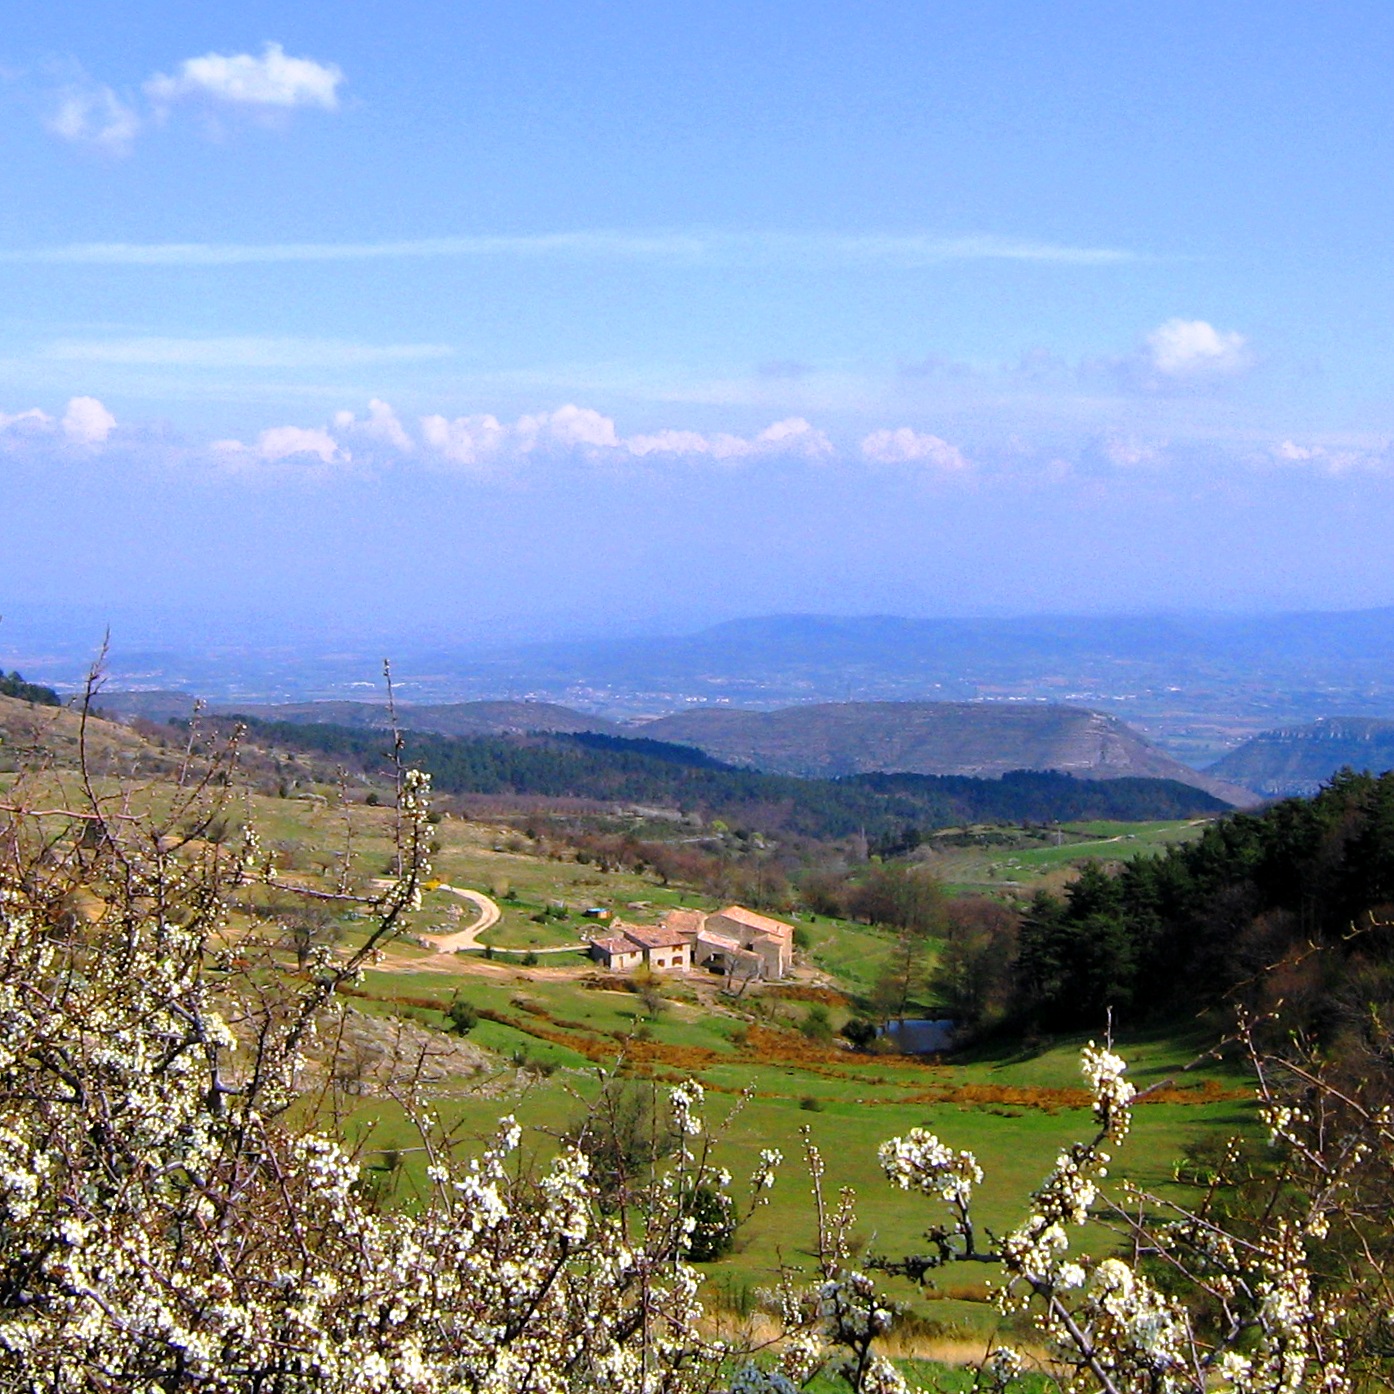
{"x": 734, "y": 941}
{"x": 632, "y": 946}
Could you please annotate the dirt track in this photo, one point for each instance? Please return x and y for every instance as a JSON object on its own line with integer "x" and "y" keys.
{"x": 489, "y": 914}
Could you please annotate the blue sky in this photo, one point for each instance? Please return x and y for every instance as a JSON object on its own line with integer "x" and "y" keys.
{"x": 532, "y": 318}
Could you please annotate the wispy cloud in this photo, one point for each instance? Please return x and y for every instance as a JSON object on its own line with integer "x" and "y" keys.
{"x": 239, "y": 352}
{"x": 1336, "y": 458}
{"x": 907, "y": 251}
{"x": 93, "y": 115}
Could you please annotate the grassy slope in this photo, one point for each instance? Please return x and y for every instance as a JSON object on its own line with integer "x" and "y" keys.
{"x": 1024, "y": 870}
{"x": 1003, "y": 1109}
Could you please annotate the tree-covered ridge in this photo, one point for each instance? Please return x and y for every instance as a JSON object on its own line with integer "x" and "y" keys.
{"x": 1178, "y": 931}
{"x": 617, "y": 770}
{"x": 13, "y": 685}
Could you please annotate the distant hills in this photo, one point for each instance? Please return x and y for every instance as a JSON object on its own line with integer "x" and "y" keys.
{"x": 982, "y": 740}
{"x": 611, "y": 773}
{"x": 445, "y": 718}
{"x": 1300, "y": 759}
{"x": 1196, "y": 683}
{"x": 979, "y": 739}
{"x": 594, "y": 771}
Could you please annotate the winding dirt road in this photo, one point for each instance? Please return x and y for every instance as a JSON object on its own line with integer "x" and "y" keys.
{"x": 489, "y": 914}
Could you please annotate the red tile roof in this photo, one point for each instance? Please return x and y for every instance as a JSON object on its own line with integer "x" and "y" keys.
{"x": 616, "y": 944}
{"x": 684, "y": 921}
{"x": 762, "y": 923}
{"x": 654, "y": 936}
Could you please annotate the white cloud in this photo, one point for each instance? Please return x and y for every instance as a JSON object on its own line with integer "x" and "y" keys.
{"x": 794, "y": 436}
{"x": 381, "y": 427}
{"x": 26, "y": 421}
{"x": 569, "y": 426}
{"x": 468, "y": 440}
{"x": 95, "y": 116}
{"x": 904, "y": 446}
{"x": 1339, "y": 459}
{"x": 1291, "y": 453}
{"x": 1130, "y": 452}
{"x": 284, "y": 443}
{"x": 269, "y": 86}
{"x": 1192, "y": 348}
{"x": 668, "y": 442}
{"x": 477, "y": 440}
{"x": 482, "y": 440}
{"x": 273, "y": 81}
{"x": 87, "y": 421}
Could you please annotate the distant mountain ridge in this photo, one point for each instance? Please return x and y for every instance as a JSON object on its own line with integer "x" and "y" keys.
{"x": 627, "y": 773}
{"x": 815, "y": 741}
{"x": 1300, "y": 759}
{"x": 1196, "y": 683}
{"x": 979, "y": 739}
{"x": 445, "y": 719}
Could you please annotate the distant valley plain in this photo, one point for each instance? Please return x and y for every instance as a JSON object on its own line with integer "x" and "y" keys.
{"x": 1197, "y": 686}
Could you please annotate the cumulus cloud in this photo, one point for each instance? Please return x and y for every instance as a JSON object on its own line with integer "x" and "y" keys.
{"x": 273, "y": 81}
{"x": 87, "y": 421}
{"x": 669, "y": 442}
{"x": 96, "y": 117}
{"x": 794, "y": 436}
{"x": 904, "y": 446}
{"x": 569, "y": 426}
{"x": 467, "y": 440}
{"x": 380, "y": 427}
{"x": 1192, "y": 348}
{"x": 481, "y": 440}
{"x": 284, "y": 443}
{"x": 266, "y": 86}
{"x": 85, "y": 424}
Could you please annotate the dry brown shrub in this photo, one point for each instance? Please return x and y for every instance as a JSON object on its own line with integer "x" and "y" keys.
{"x": 800, "y": 992}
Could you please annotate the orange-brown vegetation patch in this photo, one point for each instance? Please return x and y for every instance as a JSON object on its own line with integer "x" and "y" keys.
{"x": 602, "y": 1046}
{"x": 801, "y": 992}
{"x": 789, "y": 1047}
{"x": 1207, "y": 1091}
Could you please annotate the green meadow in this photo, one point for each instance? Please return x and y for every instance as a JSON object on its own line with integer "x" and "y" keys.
{"x": 550, "y": 1030}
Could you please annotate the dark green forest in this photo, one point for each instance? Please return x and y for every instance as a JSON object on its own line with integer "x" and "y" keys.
{"x": 13, "y": 685}
{"x": 1294, "y": 904}
{"x": 888, "y": 808}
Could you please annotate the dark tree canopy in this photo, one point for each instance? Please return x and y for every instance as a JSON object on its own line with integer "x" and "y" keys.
{"x": 1179, "y": 931}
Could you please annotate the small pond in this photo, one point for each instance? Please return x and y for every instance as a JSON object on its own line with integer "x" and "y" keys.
{"x": 921, "y": 1036}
